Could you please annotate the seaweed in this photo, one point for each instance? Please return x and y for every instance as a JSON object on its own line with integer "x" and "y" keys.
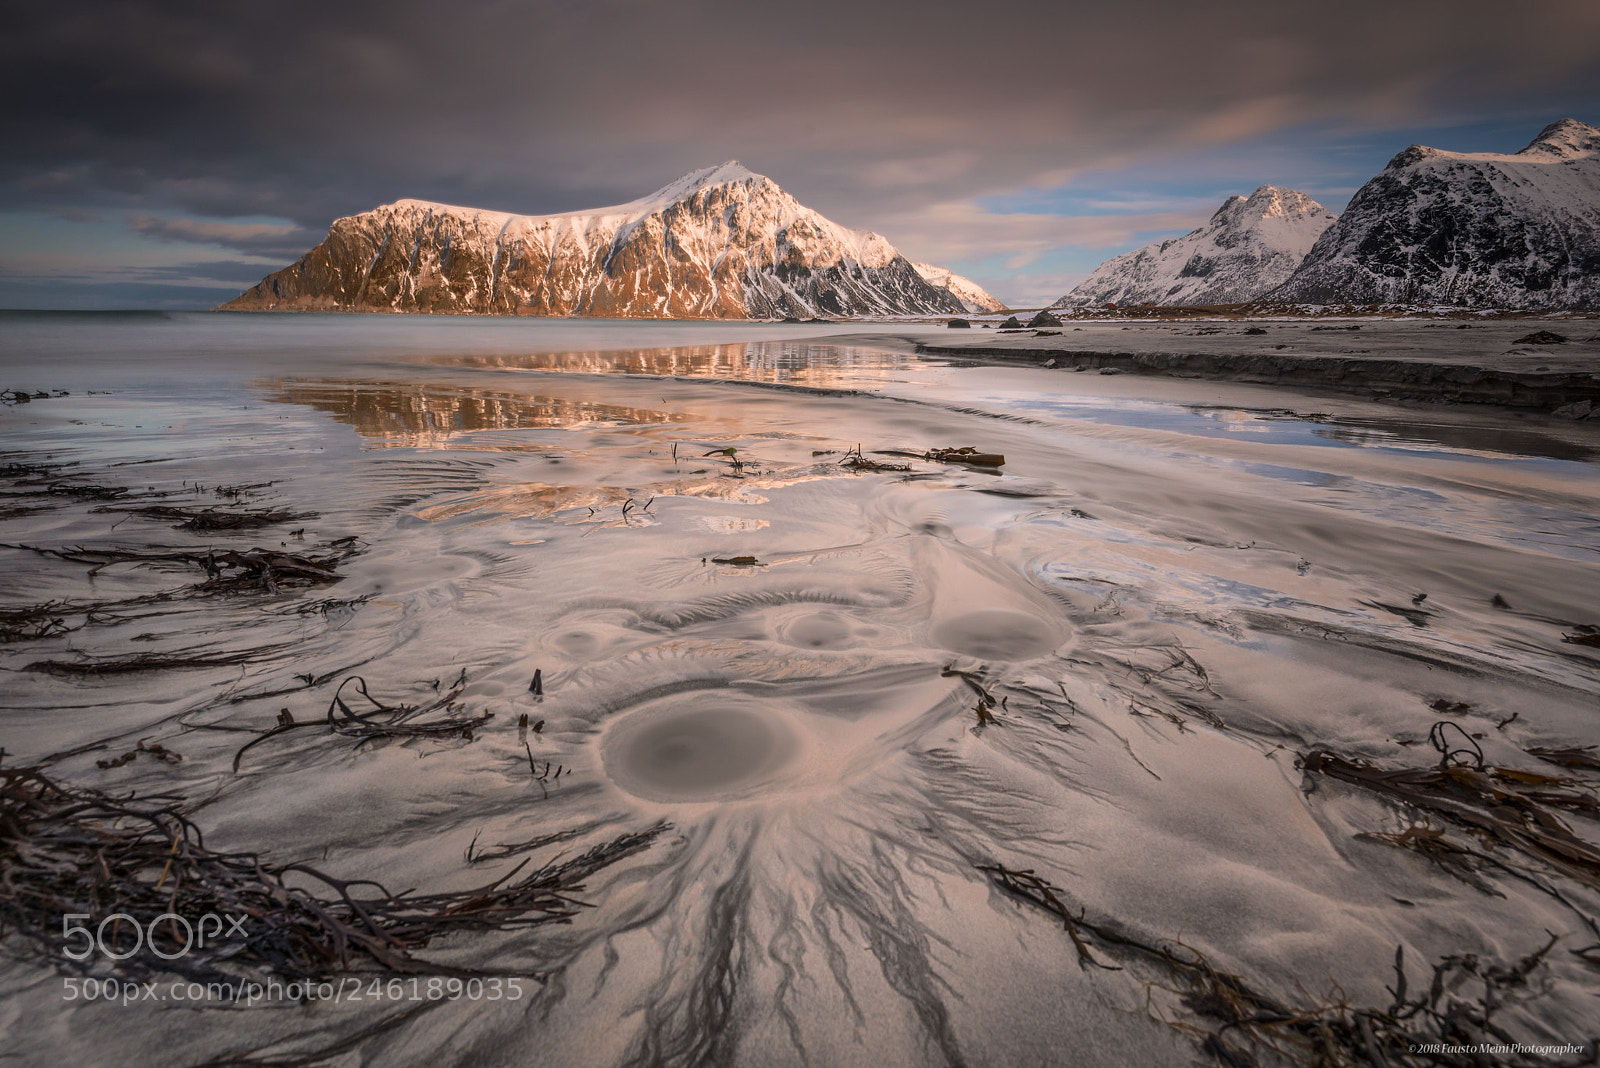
{"x": 86, "y": 491}
{"x": 511, "y": 849}
{"x": 543, "y": 778}
{"x": 398, "y": 721}
{"x": 51, "y": 619}
{"x": 1237, "y": 1025}
{"x": 1580, "y": 756}
{"x": 71, "y": 850}
{"x": 46, "y": 620}
{"x": 1430, "y": 842}
{"x": 857, "y": 462}
{"x": 227, "y": 570}
{"x": 155, "y": 750}
{"x": 735, "y": 462}
{"x": 129, "y": 665}
{"x": 1030, "y": 887}
{"x": 25, "y": 468}
{"x": 1499, "y": 805}
{"x": 209, "y": 520}
{"x": 985, "y": 706}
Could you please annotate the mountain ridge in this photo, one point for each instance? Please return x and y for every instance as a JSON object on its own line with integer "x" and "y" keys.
{"x": 1249, "y": 246}
{"x": 1519, "y": 231}
{"x": 719, "y": 242}
{"x": 976, "y": 299}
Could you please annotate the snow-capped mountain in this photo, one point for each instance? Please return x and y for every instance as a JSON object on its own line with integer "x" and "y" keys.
{"x": 718, "y": 243}
{"x": 976, "y": 299}
{"x": 1250, "y": 245}
{"x": 1470, "y": 229}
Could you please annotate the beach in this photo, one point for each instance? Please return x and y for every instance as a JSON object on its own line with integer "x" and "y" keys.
{"x": 1405, "y": 360}
{"x": 872, "y": 754}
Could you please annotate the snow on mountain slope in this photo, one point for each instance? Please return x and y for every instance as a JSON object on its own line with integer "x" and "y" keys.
{"x": 973, "y": 297}
{"x": 1470, "y": 229}
{"x": 717, "y": 243}
{"x": 1250, "y": 245}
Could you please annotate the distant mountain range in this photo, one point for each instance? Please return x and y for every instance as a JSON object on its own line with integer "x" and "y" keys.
{"x": 1478, "y": 230}
{"x": 1251, "y": 245}
{"x": 718, "y": 243}
{"x": 968, "y": 292}
{"x": 1473, "y": 229}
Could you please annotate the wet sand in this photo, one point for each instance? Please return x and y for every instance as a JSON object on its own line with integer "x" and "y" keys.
{"x": 1407, "y": 361}
{"x": 848, "y": 693}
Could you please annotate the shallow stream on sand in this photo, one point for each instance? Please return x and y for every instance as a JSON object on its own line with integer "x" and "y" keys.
{"x": 841, "y": 689}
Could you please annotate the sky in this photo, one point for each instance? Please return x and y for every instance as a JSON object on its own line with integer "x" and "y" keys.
{"x": 168, "y": 155}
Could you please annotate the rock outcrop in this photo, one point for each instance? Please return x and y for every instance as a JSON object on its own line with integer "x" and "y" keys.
{"x": 718, "y": 243}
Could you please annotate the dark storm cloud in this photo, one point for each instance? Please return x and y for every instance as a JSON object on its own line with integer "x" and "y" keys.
{"x": 868, "y": 112}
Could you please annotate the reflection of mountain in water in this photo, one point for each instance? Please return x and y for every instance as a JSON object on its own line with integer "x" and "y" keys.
{"x": 795, "y": 362}
{"x": 419, "y": 414}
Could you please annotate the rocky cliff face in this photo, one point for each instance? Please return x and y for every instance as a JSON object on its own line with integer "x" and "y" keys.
{"x": 1251, "y": 245}
{"x": 1468, "y": 229}
{"x": 718, "y": 243}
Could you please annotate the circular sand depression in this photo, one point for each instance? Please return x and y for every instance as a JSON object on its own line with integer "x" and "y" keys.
{"x": 810, "y": 627}
{"x": 699, "y": 747}
{"x": 998, "y": 634}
